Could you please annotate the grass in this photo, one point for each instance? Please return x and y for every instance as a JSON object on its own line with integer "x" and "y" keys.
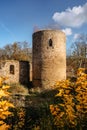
{"x": 36, "y": 110}
{"x": 37, "y": 114}
{"x": 17, "y": 88}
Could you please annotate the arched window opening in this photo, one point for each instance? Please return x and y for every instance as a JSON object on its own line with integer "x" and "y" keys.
{"x": 11, "y": 69}
{"x": 50, "y": 43}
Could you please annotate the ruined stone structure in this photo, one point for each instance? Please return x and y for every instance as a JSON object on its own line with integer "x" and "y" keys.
{"x": 48, "y": 62}
{"x": 49, "y": 57}
{"x": 16, "y": 71}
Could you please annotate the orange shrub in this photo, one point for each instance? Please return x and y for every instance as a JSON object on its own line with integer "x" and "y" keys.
{"x": 4, "y": 104}
{"x": 71, "y": 109}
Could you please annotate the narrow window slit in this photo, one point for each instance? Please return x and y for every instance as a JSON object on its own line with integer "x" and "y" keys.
{"x": 50, "y": 43}
{"x": 11, "y": 69}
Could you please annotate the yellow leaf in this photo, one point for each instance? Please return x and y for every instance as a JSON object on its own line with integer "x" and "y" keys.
{"x": 5, "y": 87}
{"x": 4, "y": 127}
{"x": 3, "y": 93}
{"x": 60, "y": 93}
{"x": 1, "y": 122}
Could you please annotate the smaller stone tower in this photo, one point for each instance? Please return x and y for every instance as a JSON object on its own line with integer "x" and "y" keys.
{"x": 49, "y": 57}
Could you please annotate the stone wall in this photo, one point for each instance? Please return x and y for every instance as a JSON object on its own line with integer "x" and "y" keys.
{"x": 49, "y": 57}
{"x": 16, "y": 71}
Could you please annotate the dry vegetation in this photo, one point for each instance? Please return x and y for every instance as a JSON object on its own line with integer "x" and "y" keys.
{"x": 17, "y": 88}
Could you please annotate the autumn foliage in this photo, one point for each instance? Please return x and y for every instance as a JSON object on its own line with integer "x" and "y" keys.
{"x": 71, "y": 108}
{"x": 4, "y": 105}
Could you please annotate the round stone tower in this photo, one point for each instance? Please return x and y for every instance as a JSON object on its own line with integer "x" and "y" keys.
{"x": 49, "y": 58}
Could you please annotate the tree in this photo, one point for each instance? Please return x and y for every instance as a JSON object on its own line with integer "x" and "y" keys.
{"x": 16, "y": 51}
{"x": 78, "y": 57}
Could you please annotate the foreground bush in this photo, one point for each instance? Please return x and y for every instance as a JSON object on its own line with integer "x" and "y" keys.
{"x": 4, "y": 105}
{"x": 71, "y": 109}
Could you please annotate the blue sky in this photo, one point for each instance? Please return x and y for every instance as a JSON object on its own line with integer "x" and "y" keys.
{"x": 19, "y": 18}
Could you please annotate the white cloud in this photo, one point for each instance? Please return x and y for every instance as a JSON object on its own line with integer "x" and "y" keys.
{"x": 77, "y": 36}
{"x": 74, "y": 17}
{"x": 67, "y": 31}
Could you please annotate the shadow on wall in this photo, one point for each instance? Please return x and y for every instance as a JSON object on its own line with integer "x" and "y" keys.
{"x": 24, "y": 71}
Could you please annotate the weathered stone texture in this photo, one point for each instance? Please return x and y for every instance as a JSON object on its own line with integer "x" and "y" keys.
{"x": 49, "y": 57}
{"x": 20, "y": 71}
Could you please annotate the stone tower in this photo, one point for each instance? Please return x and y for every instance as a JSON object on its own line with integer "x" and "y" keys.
{"x": 49, "y": 57}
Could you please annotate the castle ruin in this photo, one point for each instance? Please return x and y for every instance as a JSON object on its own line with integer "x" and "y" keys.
{"x": 49, "y": 57}
{"x": 48, "y": 61}
{"x": 15, "y": 71}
